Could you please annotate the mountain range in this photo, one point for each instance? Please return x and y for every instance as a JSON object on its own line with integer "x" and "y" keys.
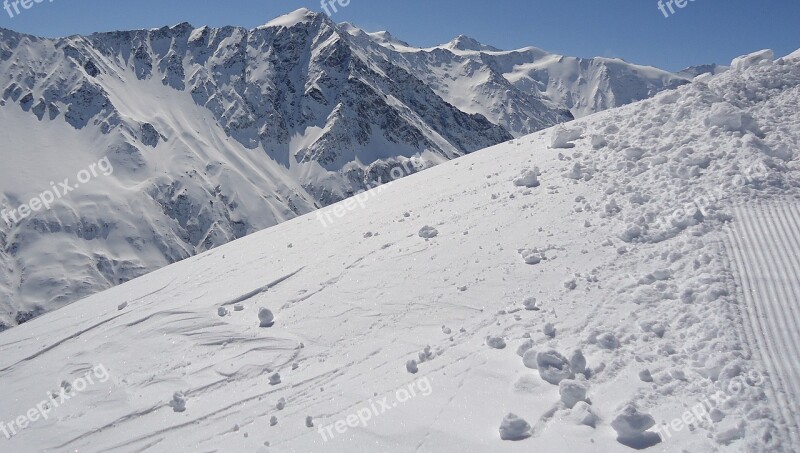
{"x": 216, "y": 133}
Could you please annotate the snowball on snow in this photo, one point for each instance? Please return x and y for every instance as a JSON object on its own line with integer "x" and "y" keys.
{"x": 529, "y": 359}
{"x": 524, "y": 347}
{"x": 495, "y": 342}
{"x": 266, "y": 317}
{"x": 514, "y": 428}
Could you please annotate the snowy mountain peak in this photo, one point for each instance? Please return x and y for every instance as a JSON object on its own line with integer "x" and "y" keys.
{"x": 466, "y": 44}
{"x": 298, "y": 16}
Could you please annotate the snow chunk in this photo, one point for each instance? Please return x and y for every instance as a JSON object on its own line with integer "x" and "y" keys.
{"x": 524, "y": 347}
{"x": 266, "y": 317}
{"x": 608, "y": 341}
{"x": 514, "y": 428}
{"x": 577, "y": 362}
{"x": 599, "y": 141}
{"x": 571, "y": 392}
{"x": 553, "y": 367}
{"x": 178, "y": 402}
{"x": 428, "y": 232}
{"x": 529, "y": 359}
{"x": 631, "y": 427}
{"x": 495, "y": 342}
{"x": 532, "y": 256}
{"x": 530, "y": 304}
{"x": 528, "y": 178}
{"x": 576, "y": 172}
{"x": 562, "y": 136}
{"x": 746, "y": 61}
{"x": 582, "y": 414}
{"x": 729, "y": 118}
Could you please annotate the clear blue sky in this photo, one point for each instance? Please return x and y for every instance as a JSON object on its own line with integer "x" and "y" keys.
{"x": 705, "y": 31}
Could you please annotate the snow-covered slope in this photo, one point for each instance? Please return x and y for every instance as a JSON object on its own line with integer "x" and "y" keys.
{"x": 213, "y": 134}
{"x": 405, "y": 320}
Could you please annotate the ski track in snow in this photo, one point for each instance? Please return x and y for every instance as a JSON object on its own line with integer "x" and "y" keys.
{"x": 765, "y": 244}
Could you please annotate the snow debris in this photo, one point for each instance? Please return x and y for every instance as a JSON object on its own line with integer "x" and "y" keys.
{"x": 495, "y": 342}
{"x": 275, "y": 379}
{"x": 528, "y": 178}
{"x": 524, "y": 347}
{"x": 561, "y": 137}
{"x": 529, "y": 359}
{"x": 577, "y": 362}
{"x": 514, "y": 428}
{"x": 553, "y": 367}
{"x": 266, "y": 318}
{"x": 532, "y": 256}
{"x": 530, "y": 304}
{"x": 582, "y": 414}
{"x": 178, "y": 402}
{"x": 631, "y": 427}
{"x": 428, "y": 232}
{"x": 571, "y": 392}
{"x": 744, "y": 62}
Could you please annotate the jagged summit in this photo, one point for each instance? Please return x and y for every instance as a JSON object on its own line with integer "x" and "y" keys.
{"x": 298, "y": 16}
{"x": 466, "y": 43}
